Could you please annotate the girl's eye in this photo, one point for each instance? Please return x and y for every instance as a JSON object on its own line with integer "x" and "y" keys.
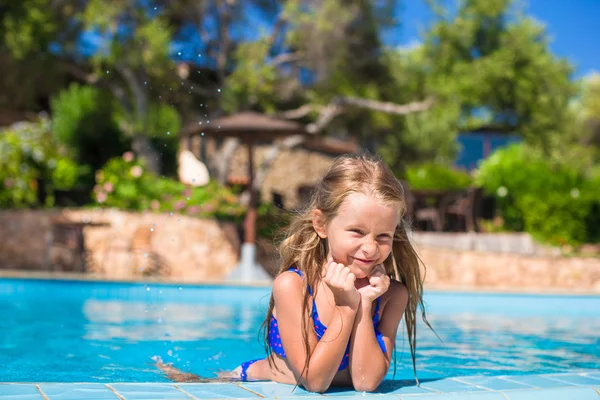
{"x": 356, "y": 231}
{"x": 386, "y": 237}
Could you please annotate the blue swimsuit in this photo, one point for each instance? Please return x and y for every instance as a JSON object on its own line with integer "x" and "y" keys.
{"x": 277, "y": 346}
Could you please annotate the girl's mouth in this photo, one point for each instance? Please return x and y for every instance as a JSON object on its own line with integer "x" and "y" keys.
{"x": 363, "y": 262}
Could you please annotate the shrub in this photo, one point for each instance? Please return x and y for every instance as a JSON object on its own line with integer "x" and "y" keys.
{"x": 551, "y": 201}
{"x": 124, "y": 183}
{"x": 30, "y": 157}
{"x": 437, "y": 176}
{"x": 83, "y": 120}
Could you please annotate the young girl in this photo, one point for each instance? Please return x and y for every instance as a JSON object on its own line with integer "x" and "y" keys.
{"x": 347, "y": 277}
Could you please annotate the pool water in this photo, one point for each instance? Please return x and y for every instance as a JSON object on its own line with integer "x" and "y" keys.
{"x": 71, "y": 331}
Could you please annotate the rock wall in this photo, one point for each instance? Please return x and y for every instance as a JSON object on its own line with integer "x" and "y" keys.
{"x": 185, "y": 249}
{"x": 131, "y": 245}
{"x": 453, "y": 269}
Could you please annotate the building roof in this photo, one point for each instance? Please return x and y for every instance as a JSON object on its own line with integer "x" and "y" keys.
{"x": 246, "y": 125}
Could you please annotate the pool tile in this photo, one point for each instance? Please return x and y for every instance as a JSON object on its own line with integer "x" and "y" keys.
{"x": 536, "y": 381}
{"x": 393, "y": 388}
{"x": 459, "y": 396}
{"x": 574, "y": 379}
{"x": 595, "y": 375}
{"x": 564, "y": 393}
{"x": 77, "y": 391}
{"x": 493, "y": 383}
{"x": 269, "y": 389}
{"x": 217, "y": 391}
{"x": 450, "y": 386}
{"x": 133, "y": 391}
{"x": 19, "y": 391}
{"x": 361, "y": 396}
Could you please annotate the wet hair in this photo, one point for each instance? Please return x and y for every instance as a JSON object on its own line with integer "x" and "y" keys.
{"x": 302, "y": 248}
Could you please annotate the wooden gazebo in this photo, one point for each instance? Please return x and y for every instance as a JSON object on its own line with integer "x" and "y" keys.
{"x": 249, "y": 127}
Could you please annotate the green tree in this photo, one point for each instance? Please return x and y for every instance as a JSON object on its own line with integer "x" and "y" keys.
{"x": 83, "y": 119}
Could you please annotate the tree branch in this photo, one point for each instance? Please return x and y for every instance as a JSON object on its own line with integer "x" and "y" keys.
{"x": 286, "y": 58}
{"x": 300, "y": 112}
{"x": 340, "y": 104}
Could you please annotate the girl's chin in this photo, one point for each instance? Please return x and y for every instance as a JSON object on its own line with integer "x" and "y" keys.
{"x": 359, "y": 273}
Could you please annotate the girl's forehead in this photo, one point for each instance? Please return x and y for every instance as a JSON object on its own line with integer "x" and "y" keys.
{"x": 360, "y": 206}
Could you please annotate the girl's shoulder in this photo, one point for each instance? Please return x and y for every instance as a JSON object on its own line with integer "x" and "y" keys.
{"x": 397, "y": 292}
{"x": 288, "y": 280}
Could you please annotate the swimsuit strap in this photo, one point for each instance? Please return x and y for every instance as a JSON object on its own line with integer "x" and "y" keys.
{"x": 301, "y": 274}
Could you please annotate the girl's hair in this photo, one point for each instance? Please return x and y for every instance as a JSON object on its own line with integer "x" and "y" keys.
{"x": 304, "y": 249}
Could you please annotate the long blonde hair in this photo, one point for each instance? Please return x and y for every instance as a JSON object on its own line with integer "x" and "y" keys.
{"x": 304, "y": 249}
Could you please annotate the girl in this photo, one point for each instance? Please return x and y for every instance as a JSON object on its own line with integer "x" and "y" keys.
{"x": 348, "y": 275}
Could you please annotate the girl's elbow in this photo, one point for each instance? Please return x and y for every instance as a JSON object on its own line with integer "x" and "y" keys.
{"x": 316, "y": 385}
{"x": 366, "y": 386}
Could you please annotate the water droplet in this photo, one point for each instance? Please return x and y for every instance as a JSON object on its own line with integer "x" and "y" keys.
{"x": 160, "y": 320}
{"x": 202, "y": 133}
{"x": 160, "y": 292}
{"x": 187, "y": 198}
{"x": 168, "y": 133}
{"x": 199, "y": 55}
{"x": 145, "y": 83}
{"x": 219, "y": 90}
{"x": 178, "y": 53}
{"x": 180, "y": 288}
{"x": 151, "y": 229}
{"x": 107, "y": 71}
{"x": 147, "y": 289}
{"x": 155, "y": 8}
{"x": 171, "y": 213}
{"x": 170, "y": 353}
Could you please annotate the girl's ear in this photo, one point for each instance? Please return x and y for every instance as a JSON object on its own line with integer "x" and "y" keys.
{"x": 319, "y": 223}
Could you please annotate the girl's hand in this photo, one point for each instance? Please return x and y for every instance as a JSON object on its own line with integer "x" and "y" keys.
{"x": 379, "y": 283}
{"x": 341, "y": 282}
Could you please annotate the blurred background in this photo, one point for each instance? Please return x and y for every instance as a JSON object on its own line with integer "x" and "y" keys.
{"x": 125, "y": 128}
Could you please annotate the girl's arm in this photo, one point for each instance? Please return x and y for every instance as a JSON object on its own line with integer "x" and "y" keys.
{"x": 327, "y": 353}
{"x": 368, "y": 363}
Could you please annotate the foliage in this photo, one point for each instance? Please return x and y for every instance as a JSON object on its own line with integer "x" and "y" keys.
{"x": 124, "y": 183}
{"x": 552, "y": 201}
{"x": 33, "y": 165}
{"x": 500, "y": 70}
{"x": 437, "y": 176}
{"x": 83, "y": 120}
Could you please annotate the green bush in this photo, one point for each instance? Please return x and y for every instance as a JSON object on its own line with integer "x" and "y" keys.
{"x": 437, "y": 176}
{"x": 30, "y": 156}
{"x": 553, "y": 202}
{"x": 124, "y": 183}
{"x": 83, "y": 119}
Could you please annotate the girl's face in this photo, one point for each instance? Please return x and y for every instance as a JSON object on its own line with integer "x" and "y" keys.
{"x": 360, "y": 236}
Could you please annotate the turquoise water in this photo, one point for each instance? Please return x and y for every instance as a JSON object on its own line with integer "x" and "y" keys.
{"x": 68, "y": 331}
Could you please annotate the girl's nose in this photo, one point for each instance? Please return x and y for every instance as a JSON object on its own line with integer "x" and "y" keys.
{"x": 370, "y": 248}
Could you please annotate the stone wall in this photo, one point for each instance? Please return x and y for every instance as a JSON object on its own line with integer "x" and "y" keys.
{"x": 185, "y": 249}
{"x": 456, "y": 270}
{"x": 172, "y": 247}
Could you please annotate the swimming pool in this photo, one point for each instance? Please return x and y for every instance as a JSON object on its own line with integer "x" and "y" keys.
{"x": 79, "y": 331}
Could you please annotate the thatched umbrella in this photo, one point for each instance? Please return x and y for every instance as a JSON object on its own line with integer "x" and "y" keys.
{"x": 249, "y": 127}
